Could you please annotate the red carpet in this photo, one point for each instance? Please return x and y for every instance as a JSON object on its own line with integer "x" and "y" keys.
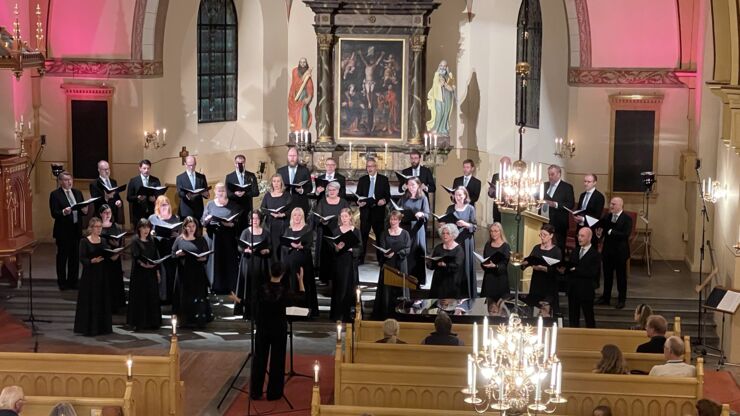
{"x": 297, "y": 390}
{"x": 720, "y": 386}
{"x": 12, "y": 329}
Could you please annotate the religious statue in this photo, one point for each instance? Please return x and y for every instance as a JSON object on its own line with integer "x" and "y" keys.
{"x": 300, "y": 97}
{"x": 440, "y": 99}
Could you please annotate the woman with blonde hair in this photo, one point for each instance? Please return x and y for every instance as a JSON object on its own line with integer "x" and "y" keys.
{"x": 275, "y": 206}
{"x": 223, "y": 264}
{"x": 612, "y": 361}
{"x": 164, "y": 236}
{"x": 328, "y": 206}
{"x": 467, "y": 225}
{"x": 296, "y": 246}
{"x": 391, "y": 327}
{"x": 93, "y": 313}
{"x": 346, "y": 275}
{"x": 495, "y": 274}
{"x": 417, "y": 205}
{"x": 642, "y": 313}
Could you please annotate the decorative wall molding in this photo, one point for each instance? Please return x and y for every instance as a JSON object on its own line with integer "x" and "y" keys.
{"x": 137, "y": 30}
{"x": 584, "y": 32}
{"x": 633, "y": 77}
{"x": 90, "y": 91}
{"x": 104, "y": 68}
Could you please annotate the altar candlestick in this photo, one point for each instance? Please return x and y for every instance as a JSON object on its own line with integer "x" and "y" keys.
{"x": 316, "y": 372}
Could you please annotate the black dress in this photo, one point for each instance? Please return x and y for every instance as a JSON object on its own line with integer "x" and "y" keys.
{"x": 496, "y": 279}
{"x": 385, "y": 296}
{"x": 195, "y": 310}
{"x": 324, "y": 247}
{"x": 449, "y": 282}
{"x": 93, "y": 315}
{"x": 254, "y": 270}
{"x": 417, "y": 231}
{"x": 114, "y": 271}
{"x": 346, "y": 278}
{"x": 223, "y": 264}
{"x": 169, "y": 267}
{"x": 544, "y": 285}
{"x": 466, "y": 240}
{"x": 276, "y": 226}
{"x": 294, "y": 259}
{"x": 143, "y": 291}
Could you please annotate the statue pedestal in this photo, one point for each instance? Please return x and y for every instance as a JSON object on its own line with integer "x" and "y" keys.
{"x": 529, "y": 236}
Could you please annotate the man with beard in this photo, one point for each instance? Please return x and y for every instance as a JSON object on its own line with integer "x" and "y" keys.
{"x": 422, "y": 172}
{"x": 297, "y": 180}
{"x": 300, "y": 96}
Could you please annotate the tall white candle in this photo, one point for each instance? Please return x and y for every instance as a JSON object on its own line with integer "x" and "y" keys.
{"x": 339, "y": 331}
{"x": 174, "y": 324}
{"x": 485, "y": 333}
{"x": 435, "y": 140}
{"x": 545, "y": 353}
{"x": 129, "y": 366}
{"x": 385, "y": 157}
{"x": 470, "y": 372}
{"x": 350, "y": 154}
{"x": 554, "y": 338}
{"x": 553, "y": 375}
{"x": 539, "y": 330}
{"x": 316, "y": 372}
{"x": 542, "y": 190}
{"x": 475, "y": 337}
{"x": 426, "y": 140}
{"x": 560, "y": 379}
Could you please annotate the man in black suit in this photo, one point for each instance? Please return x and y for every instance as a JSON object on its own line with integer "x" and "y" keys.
{"x": 140, "y": 205}
{"x": 191, "y": 205}
{"x": 331, "y": 175}
{"x": 470, "y": 182}
{"x": 67, "y": 230}
{"x": 616, "y": 228}
{"x": 591, "y": 201}
{"x": 112, "y": 199}
{"x": 655, "y": 328}
{"x": 558, "y": 195}
{"x": 492, "y": 194}
{"x": 422, "y": 172}
{"x": 242, "y": 176}
{"x": 294, "y": 172}
{"x": 582, "y": 279}
{"x": 376, "y": 186}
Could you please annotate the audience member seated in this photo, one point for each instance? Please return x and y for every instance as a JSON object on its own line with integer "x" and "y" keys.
{"x": 11, "y": 401}
{"x": 442, "y": 334}
{"x": 655, "y": 329}
{"x": 602, "y": 411}
{"x": 497, "y": 308}
{"x": 642, "y": 313}
{"x": 390, "y": 332}
{"x": 706, "y": 407}
{"x": 674, "y": 366}
{"x": 112, "y": 411}
{"x": 63, "y": 409}
{"x": 612, "y": 361}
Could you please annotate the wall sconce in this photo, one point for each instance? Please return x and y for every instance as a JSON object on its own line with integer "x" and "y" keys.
{"x": 712, "y": 191}
{"x": 564, "y": 149}
{"x": 155, "y": 139}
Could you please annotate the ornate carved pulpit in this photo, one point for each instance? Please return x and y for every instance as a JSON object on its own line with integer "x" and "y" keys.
{"x": 16, "y": 225}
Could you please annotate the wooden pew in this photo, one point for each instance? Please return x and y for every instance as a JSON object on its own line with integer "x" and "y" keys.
{"x": 42, "y": 405}
{"x": 334, "y": 410}
{"x": 156, "y": 379}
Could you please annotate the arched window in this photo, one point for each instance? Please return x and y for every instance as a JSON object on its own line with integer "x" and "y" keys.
{"x": 217, "y": 61}
{"x": 529, "y": 50}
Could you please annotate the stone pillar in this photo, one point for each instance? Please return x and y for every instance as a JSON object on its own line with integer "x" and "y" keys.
{"x": 416, "y": 91}
{"x": 324, "y": 96}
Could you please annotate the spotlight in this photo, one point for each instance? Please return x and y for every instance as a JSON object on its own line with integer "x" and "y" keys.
{"x": 56, "y": 169}
{"x": 648, "y": 180}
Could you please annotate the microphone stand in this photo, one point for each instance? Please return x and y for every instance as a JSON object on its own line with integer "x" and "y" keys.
{"x": 704, "y": 220}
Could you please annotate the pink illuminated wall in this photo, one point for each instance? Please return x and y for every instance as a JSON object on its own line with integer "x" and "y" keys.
{"x": 91, "y": 28}
{"x": 634, "y": 33}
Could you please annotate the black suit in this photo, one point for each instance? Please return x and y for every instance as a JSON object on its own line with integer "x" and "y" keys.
{"x": 654, "y": 346}
{"x": 425, "y": 176}
{"x": 594, "y": 209}
{"x": 492, "y": 194}
{"x": 139, "y": 209}
{"x": 245, "y": 201}
{"x": 615, "y": 253}
{"x": 192, "y": 207}
{"x": 301, "y": 174}
{"x": 564, "y": 197}
{"x": 582, "y": 280}
{"x": 373, "y": 216}
{"x": 67, "y": 233}
{"x": 342, "y": 184}
{"x": 98, "y": 190}
{"x": 473, "y": 187}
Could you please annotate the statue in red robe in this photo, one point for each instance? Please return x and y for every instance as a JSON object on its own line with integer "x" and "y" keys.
{"x": 300, "y": 97}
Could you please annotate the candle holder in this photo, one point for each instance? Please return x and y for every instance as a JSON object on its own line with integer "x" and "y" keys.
{"x": 156, "y": 139}
{"x": 564, "y": 149}
{"x": 301, "y": 139}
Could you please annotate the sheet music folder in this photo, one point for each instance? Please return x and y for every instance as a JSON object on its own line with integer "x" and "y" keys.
{"x": 723, "y": 300}
{"x": 394, "y": 277}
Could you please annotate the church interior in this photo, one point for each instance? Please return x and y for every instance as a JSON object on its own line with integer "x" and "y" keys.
{"x": 581, "y": 129}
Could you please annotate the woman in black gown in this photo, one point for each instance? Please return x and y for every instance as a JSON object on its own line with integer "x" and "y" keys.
{"x": 113, "y": 268}
{"x": 254, "y": 268}
{"x": 398, "y": 241}
{"x": 297, "y": 255}
{"x": 417, "y": 204}
{"x": 495, "y": 274}
{"x": 448, "y": 281}
{"x": 346, "y": 275}
{"x": 466, "y": 224}
{"x": 195, "y": 310}
{"x": 543, "y": 287}
{"x": 163, "y": 216}
{"x": 223, "y": 265}
{"x": 93, "y": 315}
{"x": 330, "y": 205}
{"x": 276, "y": 199}
{"x": 144, "y": 311}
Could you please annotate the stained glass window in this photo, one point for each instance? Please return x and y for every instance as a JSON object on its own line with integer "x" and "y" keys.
{"x": 531, "y": 52}
{"x": 217, "y": 61}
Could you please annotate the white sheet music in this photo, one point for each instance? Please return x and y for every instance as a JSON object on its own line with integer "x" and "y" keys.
{"x": 296, "y": 311}
{"x": 729, "y": 302}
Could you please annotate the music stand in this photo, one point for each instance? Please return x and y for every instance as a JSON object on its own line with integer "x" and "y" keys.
{"x": 293, "y": 313}
{"x": 726, "y": 302}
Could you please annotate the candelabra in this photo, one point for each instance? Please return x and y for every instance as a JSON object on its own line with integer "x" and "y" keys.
{"x": 17, "y": 54}
{"x": 155, "y": 139}
{"x": 513, "y": 363}
{"x": 519, "y": 186}
{"x": 302, "y": 142}
{"x": 21, "y": 130}
{"x": 712, "y": 191}
{"x": 564, "y": 148}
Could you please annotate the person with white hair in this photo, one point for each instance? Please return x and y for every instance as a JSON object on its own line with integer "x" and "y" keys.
{"x": 675, "y": 366}
{"x": 63, "y": 409}
{"x": 11, "y": 401}
{"x": 325, "y": 217}
{"x": 448, "y": 261}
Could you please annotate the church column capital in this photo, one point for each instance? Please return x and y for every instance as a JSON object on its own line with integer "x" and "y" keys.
{"x": 325, "y": 41}
{"x": 417, "y": 43}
